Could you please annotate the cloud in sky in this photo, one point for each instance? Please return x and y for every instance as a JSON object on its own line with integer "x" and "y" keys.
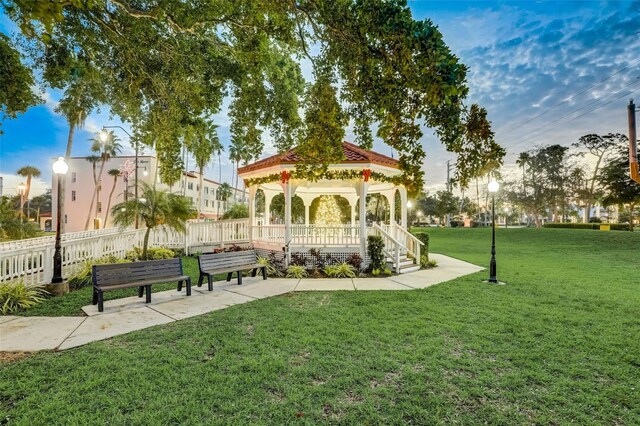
{"x": 524, "y": 58}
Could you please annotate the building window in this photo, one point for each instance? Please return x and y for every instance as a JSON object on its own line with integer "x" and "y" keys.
{"x": 206, "y": 189}
{"x": 65, "y": 218}
{"x": 99, "y": 206}
{"x": 206, "y": 203}
{"x": 197, "y": 187}
{"x": 190, "y": 185}
{"x": 73, "y": 176}
{"x": 73, "y": 195}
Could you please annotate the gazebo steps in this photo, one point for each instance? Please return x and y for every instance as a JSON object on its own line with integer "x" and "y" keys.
{"x": 406, "y": 265}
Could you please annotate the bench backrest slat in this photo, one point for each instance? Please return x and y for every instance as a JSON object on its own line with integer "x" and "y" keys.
{"x": 121, "y": 273}
{"x": 230, "y": 259}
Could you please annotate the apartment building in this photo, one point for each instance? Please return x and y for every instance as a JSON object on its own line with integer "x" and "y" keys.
{"x": 79, "y": 189}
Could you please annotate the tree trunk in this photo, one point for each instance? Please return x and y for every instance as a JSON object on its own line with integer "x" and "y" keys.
{"x": 145, "y": 243}
{"x": 632, "y": 207}
{"x": 93, "y": 198}
{"x": 200, "y": 192}
{"x": 106, "y": 215}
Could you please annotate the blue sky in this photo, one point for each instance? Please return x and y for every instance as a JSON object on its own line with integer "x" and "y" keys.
{"x": 538, "y": 68}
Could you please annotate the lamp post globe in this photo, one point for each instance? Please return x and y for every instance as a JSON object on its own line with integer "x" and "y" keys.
{"x": 493, "y": 187}
{"x": 60, "y": 169}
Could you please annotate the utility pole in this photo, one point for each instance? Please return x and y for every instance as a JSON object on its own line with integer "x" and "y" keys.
{"x": 633, "y": 142}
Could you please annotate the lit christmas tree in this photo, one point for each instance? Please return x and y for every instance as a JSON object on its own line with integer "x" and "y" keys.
{"x": 328, "y": 213}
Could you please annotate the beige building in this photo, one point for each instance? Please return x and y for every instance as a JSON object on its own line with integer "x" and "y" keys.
{"x": 79, "y": 190}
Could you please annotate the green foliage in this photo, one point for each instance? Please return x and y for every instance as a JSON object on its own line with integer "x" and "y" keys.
{"x": 236, "y": 211}
{"x": 375, "y": 245}
{"x": 82, "y": 276}
{"x": 158, "y": 208}
{"x": 387, "y": 271}
{"x": 620, "y": 189}
{"x": 16, "y": 81}
{"x": 296, "y": 271}
{"x": 594, "y": 226}
{"x": 341, "y": 270}
{"x": 375, "y": 272}
{"x": 16, "y": 296}
{"x": 272, "y": 271}
{"x": 153, "y": 253}
{"x": 424, "y": 239}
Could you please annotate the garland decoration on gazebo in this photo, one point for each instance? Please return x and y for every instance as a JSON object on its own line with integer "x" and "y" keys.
{"x": 354, "y": 174}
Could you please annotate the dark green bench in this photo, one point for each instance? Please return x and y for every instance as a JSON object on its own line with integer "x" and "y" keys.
{"x": 229, "y": 262}
{"x": 137, "y": 274}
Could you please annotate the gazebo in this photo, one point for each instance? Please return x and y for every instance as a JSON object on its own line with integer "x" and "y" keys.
{"x": 360, "y": 173}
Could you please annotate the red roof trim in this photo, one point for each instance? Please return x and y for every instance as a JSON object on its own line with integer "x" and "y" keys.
{"x": 353, "y": 154}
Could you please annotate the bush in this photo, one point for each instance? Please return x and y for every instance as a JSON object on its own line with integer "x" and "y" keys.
{"x": 431, "y": 264}
{"x": 298, "y": 259}
{"x": 82, "y": 277}
{"x": 424, "y": 238}
{"x": 154, "y": 253}
{"x": 595, "y": 219}
{"x": 375, "y": 245}
{"x": 296, "y": 271}
{"x": 594, "y": 226}
{"x": 271, "y": 269}
{"x": 355, "y": 260}
{"x": 16, "y": 296}
{"x": 341, "y": 270}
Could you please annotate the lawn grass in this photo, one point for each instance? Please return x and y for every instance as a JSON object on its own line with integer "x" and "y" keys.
{"x": 558, "y": 344}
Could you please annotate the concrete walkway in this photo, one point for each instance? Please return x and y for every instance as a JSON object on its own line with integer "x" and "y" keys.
{"x": 122, "y": 316}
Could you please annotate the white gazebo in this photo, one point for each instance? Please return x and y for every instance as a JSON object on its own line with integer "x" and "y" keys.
{"x": 361, "y": 172}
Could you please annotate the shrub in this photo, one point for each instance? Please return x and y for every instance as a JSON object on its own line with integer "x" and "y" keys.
{"x": 375, "y": 272}
{"x": 153, "y": 253}
{"x": 424, "y": 238}
{"x": 271, "y": 269}
{"x": 298, "y": 259}
{"x": 82, "y": 276}
{"x": 375, "y": 245}
{"x": 387, "y": 271}
{"x": 16, "y": 296}
{"x": 296, "y": 271}
{"x": 431, "y": 264}
{"x": 355, "y": 260}
{"x": 594, "y": 226}
{"x": 595, "y": 219}
{"x": 424, "y": 261}
{"x": 341, "y": 270}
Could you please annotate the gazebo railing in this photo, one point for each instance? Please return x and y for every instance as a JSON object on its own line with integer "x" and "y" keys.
{"x": 325, "y": 235}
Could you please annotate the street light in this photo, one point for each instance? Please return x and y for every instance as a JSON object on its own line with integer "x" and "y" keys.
{"x": 103, "y": 137}
{"x": 493, "y": 187}
{"x": 60, "y": 168}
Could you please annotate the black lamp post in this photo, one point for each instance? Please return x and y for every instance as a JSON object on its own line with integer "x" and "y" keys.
{"x": 60, "y": 168}
{"x": 103, "y": 137}
{"x": 493, "y": 188}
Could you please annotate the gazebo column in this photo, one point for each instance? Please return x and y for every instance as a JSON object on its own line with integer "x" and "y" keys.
{"x": 252, "y": 210}
{"x": 403, "y": 200}
{"x": 306, "y": 214}
{"x": 288, "y": 195}
{"x": 362, "y": 189}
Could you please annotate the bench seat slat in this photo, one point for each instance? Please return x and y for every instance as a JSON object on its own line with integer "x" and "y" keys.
{"x": 141, "y": 283}
{"x": 232, "y": 269}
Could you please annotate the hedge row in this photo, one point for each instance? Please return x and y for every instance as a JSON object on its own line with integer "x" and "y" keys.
{"x": 596, "y": 226}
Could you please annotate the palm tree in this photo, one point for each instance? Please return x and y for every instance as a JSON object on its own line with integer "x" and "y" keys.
{"x": 28, "y": 172}
{"x": 224, "y": 192}
{"x": 115, "y": 173}
{"x": 105, "y": 150}
{"x": 154, "y": 208}
{"x": 203, "y": 147}
{"x": 523, "y": 160}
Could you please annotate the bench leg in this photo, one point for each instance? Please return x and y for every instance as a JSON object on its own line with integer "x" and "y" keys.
{"x": 200, "y": 280}
{"x": 179, "y": 285}
{"x": 94, "y": 298}
{"x": 264, "y": 272}
{"x": 210, "y": 279}
{"x": 140, "y": 291}
{"x": 229, "y": 276}
{"x": 254, "y": 271}
{"x": 239, "y": 277}
{"x": 100, "y": 301}
{"x": 148, "y": 291}
{"x": 188, "y": 286}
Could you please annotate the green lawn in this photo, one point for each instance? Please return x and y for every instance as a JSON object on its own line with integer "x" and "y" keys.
{"x": 560, "y": 343}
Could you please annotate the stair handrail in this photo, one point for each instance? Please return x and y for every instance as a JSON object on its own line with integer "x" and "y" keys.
{"x": 413, "y": 248}
{"x": 397, "y": 245}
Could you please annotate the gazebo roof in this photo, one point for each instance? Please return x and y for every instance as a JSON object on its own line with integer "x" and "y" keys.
{"x": 353, "y": 154}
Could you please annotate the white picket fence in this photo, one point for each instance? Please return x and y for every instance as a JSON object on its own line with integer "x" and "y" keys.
{"x": 31, "y": 260}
